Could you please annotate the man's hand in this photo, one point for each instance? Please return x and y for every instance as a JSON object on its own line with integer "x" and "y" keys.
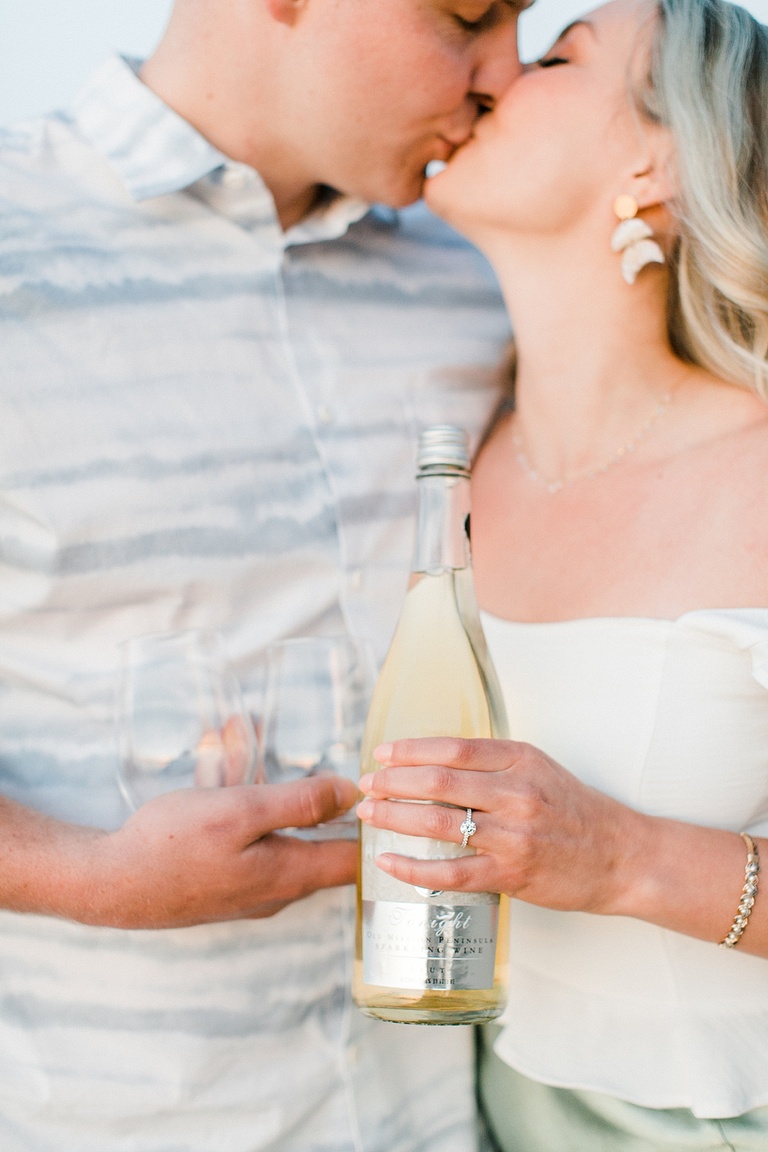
{"x": 189, "y": 857}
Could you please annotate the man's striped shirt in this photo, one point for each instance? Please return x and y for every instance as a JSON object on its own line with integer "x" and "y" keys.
{"x": 204, "y": 422}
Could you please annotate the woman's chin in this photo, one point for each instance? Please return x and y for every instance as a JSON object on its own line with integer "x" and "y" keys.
{"x": 446, "y": 202}
{"x": 439, "y": 194}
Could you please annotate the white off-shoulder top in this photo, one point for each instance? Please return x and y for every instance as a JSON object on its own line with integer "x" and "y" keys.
{"x": 670, "y": 717}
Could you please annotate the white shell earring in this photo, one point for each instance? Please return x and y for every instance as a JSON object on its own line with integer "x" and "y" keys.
{"x": 633, "y": 238}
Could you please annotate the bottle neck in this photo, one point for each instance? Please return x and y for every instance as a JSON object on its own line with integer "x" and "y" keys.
{"x": 442, "y": 541}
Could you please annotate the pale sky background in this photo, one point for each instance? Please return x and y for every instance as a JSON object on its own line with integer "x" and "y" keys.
{"x": 48, "y": 47}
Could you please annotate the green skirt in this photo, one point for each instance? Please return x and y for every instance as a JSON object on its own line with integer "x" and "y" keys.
{"x": 525, "y": 1116}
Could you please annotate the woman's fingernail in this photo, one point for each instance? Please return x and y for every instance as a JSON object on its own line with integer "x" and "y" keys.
{"x": 385, "y": 863}
{"x": 365, "y": 783}
{"x": 383, "y": 753}
{"x": 364, "y": 809}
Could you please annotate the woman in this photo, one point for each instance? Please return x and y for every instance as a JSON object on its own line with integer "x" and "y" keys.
{"x": 620, "y": 531}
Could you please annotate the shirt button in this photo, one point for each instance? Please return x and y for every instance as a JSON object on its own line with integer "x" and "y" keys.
{"x": 325, "y": 414}
{"x": 235, "y": 178}
{"x": 355, "y": 579}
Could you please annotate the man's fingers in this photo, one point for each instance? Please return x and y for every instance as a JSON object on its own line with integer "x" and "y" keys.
{"x": 297, "y": 805}
{"x": 238, "y": 740}
{"x": 472, "y": 755}
{"x": 328, "y": 864}
{"x": 304, "y": 866}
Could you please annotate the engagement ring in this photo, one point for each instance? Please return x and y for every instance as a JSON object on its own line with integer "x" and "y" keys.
{"x": 468, "y": 828}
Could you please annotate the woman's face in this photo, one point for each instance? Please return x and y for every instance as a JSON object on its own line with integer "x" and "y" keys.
{"x": 564, "y": 140}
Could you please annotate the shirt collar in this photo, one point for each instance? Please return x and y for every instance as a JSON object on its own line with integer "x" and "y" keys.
{"x": 153, "y": 150}
{"x": 331, "y": 218}
{"x": 156, "y": 152}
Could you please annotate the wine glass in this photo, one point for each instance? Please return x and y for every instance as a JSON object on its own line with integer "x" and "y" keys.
{"x": 180, "y": 717}
{"x": 316, "y": 701}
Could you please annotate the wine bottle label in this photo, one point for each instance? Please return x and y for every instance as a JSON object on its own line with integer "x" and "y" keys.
{"x": 437, "y": 947}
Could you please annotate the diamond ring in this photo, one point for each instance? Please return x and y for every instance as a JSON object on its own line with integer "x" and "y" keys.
{"x": 468, "y": 828}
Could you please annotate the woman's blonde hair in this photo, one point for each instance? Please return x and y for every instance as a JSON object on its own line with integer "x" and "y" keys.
{"x": 708, "y": 83}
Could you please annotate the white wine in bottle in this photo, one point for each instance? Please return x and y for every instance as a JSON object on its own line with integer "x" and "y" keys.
{"x": 427, "y": 957}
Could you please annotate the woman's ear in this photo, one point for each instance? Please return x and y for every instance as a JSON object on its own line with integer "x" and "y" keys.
{"x": 653, "y": 184}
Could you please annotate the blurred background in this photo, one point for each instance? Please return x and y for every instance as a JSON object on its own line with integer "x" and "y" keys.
{"x": 48, "y": 47}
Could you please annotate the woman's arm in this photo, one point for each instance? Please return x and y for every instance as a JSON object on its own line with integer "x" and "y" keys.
{"x": 545, "y": 837}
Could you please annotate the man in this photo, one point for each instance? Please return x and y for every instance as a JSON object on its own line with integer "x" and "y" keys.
{"x": 213, "y": 370}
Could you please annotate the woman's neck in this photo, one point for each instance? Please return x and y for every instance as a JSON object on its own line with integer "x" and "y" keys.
{"x": 593, "y": 354}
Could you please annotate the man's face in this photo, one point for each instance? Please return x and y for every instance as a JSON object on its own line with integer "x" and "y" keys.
{"x": 375, "y": 89}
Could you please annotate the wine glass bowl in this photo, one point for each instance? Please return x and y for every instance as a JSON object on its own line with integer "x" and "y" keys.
{"x": 316, "y": 700}
{"x": 180, "y": 717}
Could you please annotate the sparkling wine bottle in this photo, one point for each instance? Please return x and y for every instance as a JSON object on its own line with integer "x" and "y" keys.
{"x": 427, "y": 957}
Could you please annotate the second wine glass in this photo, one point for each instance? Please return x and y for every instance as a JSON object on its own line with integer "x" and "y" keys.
{"x": 316, "y": 700}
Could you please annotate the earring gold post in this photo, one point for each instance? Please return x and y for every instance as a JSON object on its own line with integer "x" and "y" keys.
{"x": 625, "y": 207}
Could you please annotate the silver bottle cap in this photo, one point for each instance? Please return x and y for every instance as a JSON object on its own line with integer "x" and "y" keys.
{"x": 443, "y": 447}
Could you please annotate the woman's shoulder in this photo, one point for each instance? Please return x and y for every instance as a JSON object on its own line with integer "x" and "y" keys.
{"x": 745, "y": 446}
{"x": 727, "y": 430}
{"x": 731, "y": 407}
{"x": 732, "y": 466}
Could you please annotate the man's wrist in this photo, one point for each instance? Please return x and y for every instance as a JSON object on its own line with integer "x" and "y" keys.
{"x": 48, "y": 867}
{"x": 84, "y": 890}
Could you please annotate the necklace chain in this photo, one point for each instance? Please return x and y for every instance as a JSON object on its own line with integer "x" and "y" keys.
{"x": 594, "y": 470}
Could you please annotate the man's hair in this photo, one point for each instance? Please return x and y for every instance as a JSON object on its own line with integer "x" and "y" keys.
{"x": 708, "y": 83}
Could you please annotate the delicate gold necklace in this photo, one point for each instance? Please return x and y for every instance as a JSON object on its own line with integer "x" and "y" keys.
{"x": 569, "y": 478}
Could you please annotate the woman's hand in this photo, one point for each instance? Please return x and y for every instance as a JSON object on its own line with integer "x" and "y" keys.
{"x": 546, "y": 838}
{"x": 542, "y": 835}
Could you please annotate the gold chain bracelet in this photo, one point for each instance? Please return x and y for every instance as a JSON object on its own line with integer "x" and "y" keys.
{"x": 748, "y": 894}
